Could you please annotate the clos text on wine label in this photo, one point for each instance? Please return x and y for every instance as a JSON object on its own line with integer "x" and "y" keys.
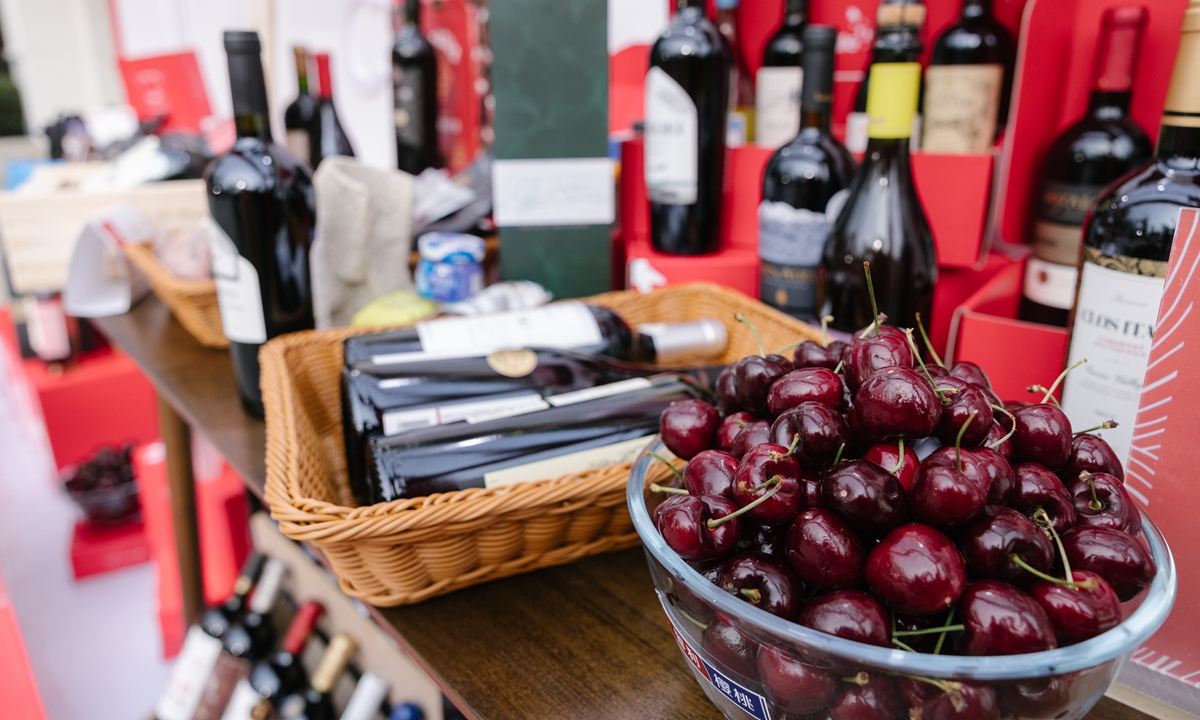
{"x": 961, "y": 102}
{"x": 777, "y": 105}
{"x": 672, "y": 141}
{"x": 1114, "y": 328}
{"x": 238, "y": 295}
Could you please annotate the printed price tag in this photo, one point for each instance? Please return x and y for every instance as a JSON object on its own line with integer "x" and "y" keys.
{"x": 752, "y": 703}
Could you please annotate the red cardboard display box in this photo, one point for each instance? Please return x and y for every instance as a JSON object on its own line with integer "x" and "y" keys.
{"x": 97, "y": 549}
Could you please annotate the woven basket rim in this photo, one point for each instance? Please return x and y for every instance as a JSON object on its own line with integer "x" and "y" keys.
{"x": 142, "y": 255}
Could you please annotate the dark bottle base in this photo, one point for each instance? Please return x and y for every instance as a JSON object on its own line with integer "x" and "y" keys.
{"x": 245, "y": 373}
{"x": 1030, "y": 311}
{"x": 684, "y": 230}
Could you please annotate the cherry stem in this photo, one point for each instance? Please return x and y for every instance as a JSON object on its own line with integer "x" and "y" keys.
{"x": 1094, "y": 504}
{"x": 873, "y": 326}
{"x": 666, "y": 462}
{"x": 746, "y": 321}
{"x": 928, "y": 345}
{"x": 838, "y": 369}
{"x": 791, "y": 346}
{"x": 940, "y": 392}
{"x": 1042, "y": 389}
{"x": 947, "y": 686}
{"x": 776, "y": 482}
{"x": 752, "y": 594}
{"x": 838, "y": 458}
{"x": 1058, "y": 381}
{"x": 1088, "y": 584}
{"x": 1106, "y": 425}
{"x": 958, "y": 440}
{"x": 825, "y": 330}
{"x": 937, "y": 649}
{"x": 860, "y": 678}
{"x": 655, "y": 487}
{"x": 900, "y": 445}
{"x": 871, "y": 292}
{"x": 692, "y": 620}
{"x": 791, "y": 449}
{"x": 1041, "y": 517}
{"x": 740, "y": 422}
{"x": 1009, "y": 434}
{"x": 929, "y": 631}
{"x": 898, "y": 643}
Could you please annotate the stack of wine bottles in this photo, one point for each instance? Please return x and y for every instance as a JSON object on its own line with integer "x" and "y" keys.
{"x": 231, "y": 666}
{"x": 449, "y": 404}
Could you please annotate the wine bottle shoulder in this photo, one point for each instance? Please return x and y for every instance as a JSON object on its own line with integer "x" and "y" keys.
{"x": 1136, "y": 215}
{"x": 689, "y": 29}
{"x": 411, "y": 45}
{"x": 257, "y": 166}
{"x": 973, "y": 41}
{"x": 784, "y": 48}
{"x": 1095, "y": 151}
{"x": 814, "y": 164}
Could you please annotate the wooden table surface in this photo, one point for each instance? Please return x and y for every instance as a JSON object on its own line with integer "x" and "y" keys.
{"x": 587, "y": 640}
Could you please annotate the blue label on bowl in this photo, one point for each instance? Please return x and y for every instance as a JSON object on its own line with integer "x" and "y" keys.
{"x": 754, "y": 704}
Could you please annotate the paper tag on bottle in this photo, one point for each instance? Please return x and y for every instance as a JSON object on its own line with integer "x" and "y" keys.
{"x": 297, "y": 142}
{"x": 856, "y": 131}
{"x": 671, "y": 141}
{"x": 593, "y": 459}
{"x": 777, "y": 105}
{"x": 238, "y": 295}
{"x": 243, "y": 701}
{"x": 398, "y": 421}
{"x": 1050, "y": 284}
{"x": 599, "y": 391}
{"x": 961, "y": 103}
{"x": 193, "y": 667}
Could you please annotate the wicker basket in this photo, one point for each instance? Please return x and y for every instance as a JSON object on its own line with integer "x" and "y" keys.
{"x": 194, "y": 302}
{"x": 406, "y": 551}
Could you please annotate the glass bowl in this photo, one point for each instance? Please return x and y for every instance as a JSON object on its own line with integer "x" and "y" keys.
{"x": 721, "y": 636}
{"x": 113, "y": 505}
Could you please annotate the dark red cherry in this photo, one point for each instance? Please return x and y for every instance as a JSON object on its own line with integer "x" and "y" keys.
{"x": 866, "y": 496}
{"x": 1091, "y": 453}
{"x": 754, "y": 434}
{"x": 782, "y": 361}
{"x": 752, "y": 480}
{"x": 1116, "y": 556}
{"x": 765, "y": 583}
{"x": 916, "y": 570}
{"x": 793, "y": 686}
{"x": 730, "y": 427}
{"x": 1078, "y": 613}
{"x": 822, "y": 431}
{"x": 996, "y": 438}
{"x": 824, "y": 551}
{"x": 994, "y": 465}
{"x": 727, "y": 398}
{"x": 887, "y": 455}
{"x": 810, "y": 487}
{"x": 989, "y": 543}
{"x": 688, "y": 427}
{"x": 763, "y": 539}
{"x": 683, "y": 524}
{"x": 687, "y": 600}
{"x": 1043, "y": 436}
{"x": 1036, "y": 488}
{"x": 812, "y": 354}
{"x": 958, "y": 701}
{"x": 999, "y": 619}
{"x": 897, "y": 401}
{"x": 1012, "y": 407}
{"x": 972, "y": 373}
{"x": 1102, "y": 501}
{"x": 863, "y": 357}
{"x": 945, "y": 498}
{"x": 936, "y": 371}
{"x": 973, "y": 469}
{"x": 871, "y": 696}
{"x": 753, "y": 377}
{"x": 732, "y": 651}
{"x": 820, "y": 385}
{"x": 710, "y": 473}
{"x": 1045, "y": 697}
{"x": 851, "y": 614}
{"x": 968, "y": 406}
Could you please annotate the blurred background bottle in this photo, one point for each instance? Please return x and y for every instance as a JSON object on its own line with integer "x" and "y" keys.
{"x": 414, "y": 88}
{"x": 778, "y": 82}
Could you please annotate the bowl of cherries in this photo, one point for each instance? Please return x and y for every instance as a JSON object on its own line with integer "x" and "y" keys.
{"x": 860, "y": 534}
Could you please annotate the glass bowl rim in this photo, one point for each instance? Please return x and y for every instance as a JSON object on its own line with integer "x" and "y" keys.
{"x": 1121, "y": 640}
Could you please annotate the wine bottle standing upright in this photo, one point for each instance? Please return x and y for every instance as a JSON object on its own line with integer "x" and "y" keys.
{"x": 261, "y": 201}
{"x": 898, "y": 25}
{"x": 687, "y": 108}
{"x": 1126, "y": 245}
{"x": 740, "y": 125}
{"x": 328, "y": 138}
{"x": 298, "y": 118}
{"x": 882, "y": 221}
{"x": 778, "y": 82}
{"x": 414, "y": 89}
{"x": 968, "y": 82}
{"x": 1101, "y": 147}
{"x": 804, "y": 185}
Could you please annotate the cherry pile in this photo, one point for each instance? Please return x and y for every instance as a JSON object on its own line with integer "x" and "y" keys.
{"x": 804, "y": 496}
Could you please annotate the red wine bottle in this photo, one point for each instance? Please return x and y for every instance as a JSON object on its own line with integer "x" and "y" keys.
{"x": 778, "y": 82}
{"x": 898, "y": 25}
{"x": 1101, "y": 147}
{"x": 283, "y": 673}
{"x": 316, "y": 701}
{"x": 687, "y": 109}
{"x": 298, "y": 118}
{"x": 414, "y": 90}
{"x": 327, "y": 137}
{"x": 739, "y": 128}
{"x": 581, "y": 430}
{"x": 215, "y": 621}
{"x": 253, "y": 636}
{"x": 261, "y": 200}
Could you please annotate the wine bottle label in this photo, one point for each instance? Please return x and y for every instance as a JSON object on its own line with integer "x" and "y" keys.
{"x": 777, "y": 105}
{"x": 856, "y": 131}
{"x": 189, "y": 677}
{"x": 238, "y": 294}
{"x": 297, "y": 142}
{"x": 790, "y": 243}
{"x": 1114, "y": 328}
{"x": 559, "y": 326}
{"x": 737, "y": 129}
{"x": 672, "y": 141}
{"x": 46, "y": 324}
{"x": 1049, "y": 284}
{"x": 408, "y": 88}
{"x": 227, "y": 672}
{"x": 398, "y": 421}
{"x": 961, "y": 102}
{"x": 600, "y": 391}
{"x": 892, "y": 99}
{"x": 243, "y": 701}
{"x": 593, "y": 459}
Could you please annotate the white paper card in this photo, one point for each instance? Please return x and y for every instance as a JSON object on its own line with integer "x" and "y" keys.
{"x": 100, "y": 281}
{"x": 553, "y": 191}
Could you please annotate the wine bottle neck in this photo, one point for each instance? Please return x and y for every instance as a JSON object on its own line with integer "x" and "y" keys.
{"x": 247, "y": 85}
{"x": 681, "y": 4}
{"x": 795, "y": 14}
{"x": 671, "y": 342}
{"x": 412, "y": 12}
{"x": 1180, "y": 134}
{"x": 1109, "y": 105}
{"x": 816, "y": 97}
{"x": 256, "y": 125}
{"x": 341, "y": 647}
{"x": 976, "y": 8}
{"x": 1179, "y": 145}
{"x": 325, "y": 87}
{"x": 301, "y": 628}
{"x": 302, "y": 69}
{"x": 818, "y": 118}
{"x": 892, "y": 101}
{"x": 268, "y": 588}
{"x": 1120, "y": 36}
